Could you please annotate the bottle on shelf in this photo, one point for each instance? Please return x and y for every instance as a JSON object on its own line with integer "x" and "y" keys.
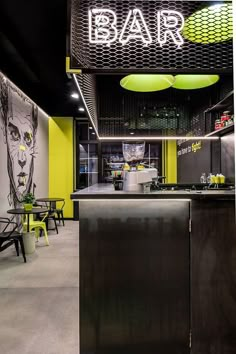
{"x": 225, "y": 119}
{"x": 231, "y": 119}
{"x": 218, "y": 124}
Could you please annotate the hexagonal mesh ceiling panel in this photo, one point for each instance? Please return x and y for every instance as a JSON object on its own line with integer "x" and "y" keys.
{"x": 118, "y": 112}
{"x": 87, "y": 85}
{"x": 207, "y": 37}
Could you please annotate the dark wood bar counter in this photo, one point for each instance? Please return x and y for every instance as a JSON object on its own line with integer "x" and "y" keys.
{"x": 157, "y": 271}
{"x": 106, "y": 190}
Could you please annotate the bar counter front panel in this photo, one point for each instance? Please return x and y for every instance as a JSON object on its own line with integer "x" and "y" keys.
{"x": 134, "y": 277}
{"x": 151, "y": 284}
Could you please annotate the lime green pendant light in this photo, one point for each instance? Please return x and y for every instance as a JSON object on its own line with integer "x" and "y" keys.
{"x": 147, "y": 83}
{"x": 212, "y": 24}
{"x": 192, "y": 82}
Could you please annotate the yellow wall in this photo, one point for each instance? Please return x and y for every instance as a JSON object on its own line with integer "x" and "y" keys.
{"x": 169, "y": 160}
{"x": 61, "y": 161}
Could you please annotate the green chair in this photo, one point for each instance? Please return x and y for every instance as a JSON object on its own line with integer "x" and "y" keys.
{"x": 37, "y": 225}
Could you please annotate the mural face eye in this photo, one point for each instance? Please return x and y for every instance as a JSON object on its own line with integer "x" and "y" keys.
{"x": 28, "y": 138}
{"x": 14, "y": 132}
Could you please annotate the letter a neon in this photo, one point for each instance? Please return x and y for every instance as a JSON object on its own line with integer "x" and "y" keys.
{"x": 135, "y": 27}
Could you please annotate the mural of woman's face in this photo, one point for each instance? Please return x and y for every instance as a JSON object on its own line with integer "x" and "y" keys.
{"x": 20, "y": 143}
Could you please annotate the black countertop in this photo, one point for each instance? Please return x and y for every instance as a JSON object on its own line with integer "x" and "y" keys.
{"x": 106, "y": 191}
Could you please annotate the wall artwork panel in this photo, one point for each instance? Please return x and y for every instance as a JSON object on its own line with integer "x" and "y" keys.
{"x": 23, "y": 146}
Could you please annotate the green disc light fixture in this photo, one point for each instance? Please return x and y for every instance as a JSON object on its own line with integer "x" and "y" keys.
{"x": 212, "y": 24}
{"x": 147, "y": 82}
{"x": 192, "y": 82}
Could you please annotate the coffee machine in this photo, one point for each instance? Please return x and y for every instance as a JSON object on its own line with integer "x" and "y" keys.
{"x": 137, "y": 177}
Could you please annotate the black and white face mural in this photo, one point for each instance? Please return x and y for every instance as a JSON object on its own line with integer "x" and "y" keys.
{"x": 19, "y": 122}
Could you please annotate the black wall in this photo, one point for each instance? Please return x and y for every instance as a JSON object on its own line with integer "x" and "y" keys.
{"x": 228, "y": 157}
{"x": 213, "y": 156}
{"x": 191, "y": 165}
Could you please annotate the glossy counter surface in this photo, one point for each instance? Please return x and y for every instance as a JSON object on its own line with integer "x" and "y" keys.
{"x": 106, "y": 191}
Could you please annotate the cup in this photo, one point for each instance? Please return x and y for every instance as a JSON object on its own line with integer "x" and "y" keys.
{"x": 222, "y": 179}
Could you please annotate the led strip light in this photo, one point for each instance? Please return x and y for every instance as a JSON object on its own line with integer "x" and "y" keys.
{"x": 158, "y": 138}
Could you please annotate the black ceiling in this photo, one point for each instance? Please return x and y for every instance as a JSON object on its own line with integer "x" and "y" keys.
{"x": 33, "y": 52}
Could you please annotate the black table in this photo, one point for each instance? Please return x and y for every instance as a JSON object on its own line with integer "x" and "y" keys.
{"x": 50, "y": 201}
{"x": 22, "y": 211}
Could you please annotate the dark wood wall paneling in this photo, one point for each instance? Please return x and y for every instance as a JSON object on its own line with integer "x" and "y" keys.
{"x": 213, "y": 275}
{"x": 228, "y": 157}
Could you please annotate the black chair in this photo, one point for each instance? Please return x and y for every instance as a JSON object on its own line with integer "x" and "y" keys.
{"x": 9, "y": 236}
{"x": 59, "y": 213}
{"x": 51, "y": 216}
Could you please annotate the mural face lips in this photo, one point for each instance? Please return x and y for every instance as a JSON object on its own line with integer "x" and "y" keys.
{"x": 21, "y": 179}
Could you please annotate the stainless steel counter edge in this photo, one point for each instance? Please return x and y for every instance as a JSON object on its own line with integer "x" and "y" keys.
{"x": 106, "y": 191}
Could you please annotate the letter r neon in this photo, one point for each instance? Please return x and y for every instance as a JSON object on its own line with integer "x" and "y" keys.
{"x": 170, "y": 23}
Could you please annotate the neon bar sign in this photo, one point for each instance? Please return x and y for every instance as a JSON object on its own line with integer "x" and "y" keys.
{"x": 103, "y": 27}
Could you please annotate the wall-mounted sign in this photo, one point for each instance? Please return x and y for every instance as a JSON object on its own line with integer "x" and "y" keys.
{"x": 103, "y": 27}
{"x": 193, "y": 147}
{"x": 137, "y": 36}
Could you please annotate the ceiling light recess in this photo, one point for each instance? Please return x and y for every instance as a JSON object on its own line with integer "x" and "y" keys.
{"x": 212, "y": 24}
{"x": 81, "y": 109}
{"x": 147, "y": 82}
{"x": 75, "y": 95}
{"x": 192, "y": 82}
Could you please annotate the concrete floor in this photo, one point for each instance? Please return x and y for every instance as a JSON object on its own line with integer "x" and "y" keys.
{"x": 39, "y": 300}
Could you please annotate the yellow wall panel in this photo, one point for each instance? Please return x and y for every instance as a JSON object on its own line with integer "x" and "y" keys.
{"x": 61, "y": 160}
{"x": 169, "y": 160}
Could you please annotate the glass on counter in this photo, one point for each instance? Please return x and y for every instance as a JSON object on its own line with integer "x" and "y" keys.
{"x": 203, "y": 178}
{"x": 219, "y": 178}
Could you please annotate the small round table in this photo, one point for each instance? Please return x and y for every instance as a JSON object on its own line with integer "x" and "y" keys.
{"x": 22, "y": 211}
{"x": 50, "y": 201}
